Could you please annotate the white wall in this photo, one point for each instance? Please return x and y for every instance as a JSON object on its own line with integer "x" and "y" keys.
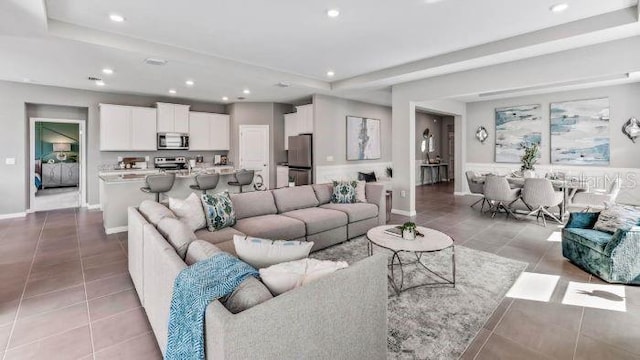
{"x": 624, "y": 102}
{"x": 330, "y": 137}
{"x": 612, "y": 58}
{"x": 15, "y": 135}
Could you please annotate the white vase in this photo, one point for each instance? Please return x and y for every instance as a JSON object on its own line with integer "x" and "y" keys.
{"x": 409, "y": 234}
{"x": 527, "y": 174}
{"x": 292, "y": 184}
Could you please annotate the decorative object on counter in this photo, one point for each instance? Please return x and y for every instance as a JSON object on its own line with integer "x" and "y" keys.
{"x": 580, "y": 132}
{"x": 632, "y": 129}
{"x": 199, "y": 159}
{"x": 363, "y": 138}
{"x": 529, "y": 159}
{"x": 243, "y": 177}
{"x": 482, "y": 134}
{"x": 218, "y": 209}
{"x": 158, "y": 184}
{"x": 205, "y": 182}
{"x": 258, "y": 183}
{"x": 292, "y": 181}
{"x": 389, "y": 171}
{"x": 224, "y": 160}
{"x": 517, "y": 126}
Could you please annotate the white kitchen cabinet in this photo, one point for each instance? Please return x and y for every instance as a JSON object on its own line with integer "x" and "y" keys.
{"x": 172, "y": 118}
{"x": 124, "y": 128}
{"x": 290, "y": 128}
{"x": 143, "y": 129}
{"x": 208, "y": 131}
{"x": 115, "y": 122}
{"x": 304, "y": 119}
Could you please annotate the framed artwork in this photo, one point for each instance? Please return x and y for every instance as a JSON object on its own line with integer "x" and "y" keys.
{"x": 363, "y": 138}
{"x": 580, "y": 132}
{"x": 516, "y": 128}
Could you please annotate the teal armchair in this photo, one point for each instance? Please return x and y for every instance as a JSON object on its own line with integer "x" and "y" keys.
{"x": 614, "y": 258}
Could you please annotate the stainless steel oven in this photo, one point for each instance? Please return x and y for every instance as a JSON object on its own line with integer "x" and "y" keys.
{"x": 173, "y": 141}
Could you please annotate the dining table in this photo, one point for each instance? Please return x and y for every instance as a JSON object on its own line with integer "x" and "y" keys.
{"x": 569, "y": 187}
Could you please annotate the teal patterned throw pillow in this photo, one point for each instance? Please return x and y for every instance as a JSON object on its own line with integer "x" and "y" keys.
{"x": 218, "y": 210}
{"x": 344, "y": 192}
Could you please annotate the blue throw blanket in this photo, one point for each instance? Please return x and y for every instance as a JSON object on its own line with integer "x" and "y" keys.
{"x": 194, "y": 288}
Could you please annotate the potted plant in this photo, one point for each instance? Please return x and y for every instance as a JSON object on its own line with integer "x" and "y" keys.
{"x": 389, "y": 171}
{"x": 292, "y": 181}
{"x": 409, "y": 231}
{"x": 529, "y": 159}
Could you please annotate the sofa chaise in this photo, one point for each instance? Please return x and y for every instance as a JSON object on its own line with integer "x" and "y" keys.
{"x": 340, "y": 316}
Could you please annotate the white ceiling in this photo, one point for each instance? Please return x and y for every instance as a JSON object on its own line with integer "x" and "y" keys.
{"x": 227, "y": 45}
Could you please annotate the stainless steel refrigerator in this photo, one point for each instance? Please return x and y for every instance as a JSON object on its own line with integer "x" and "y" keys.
{"x": 300, "y": 159}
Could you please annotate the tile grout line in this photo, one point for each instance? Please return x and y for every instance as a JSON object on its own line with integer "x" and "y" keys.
{"x": 494, "y": 328}
{"x": 84, "y": 285}
{"x": 24, "y": 288}
{"x": 575, "y": 348}
{"x": 150, "y": 332}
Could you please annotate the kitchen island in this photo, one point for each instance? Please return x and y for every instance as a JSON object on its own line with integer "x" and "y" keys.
{"x": 120, "y": 189}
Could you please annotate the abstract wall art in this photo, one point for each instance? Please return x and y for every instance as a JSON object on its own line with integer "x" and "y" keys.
{"x": 516, "y": 128}
{"x": 363, "y": 138}
{"x": 580, "y": 132}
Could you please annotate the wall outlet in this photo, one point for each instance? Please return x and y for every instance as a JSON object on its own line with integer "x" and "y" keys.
{"x": 329, "y": 158}
{"x": 403, "y": 194}
{"x": 10, "y": 161}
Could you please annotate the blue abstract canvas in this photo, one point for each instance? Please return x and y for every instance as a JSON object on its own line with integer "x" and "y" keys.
{"x": 363, "y": 138}
{"x": 516, "y": 128}
{"x": 580, "y": 132}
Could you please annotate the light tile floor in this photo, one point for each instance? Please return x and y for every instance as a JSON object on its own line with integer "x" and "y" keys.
{"x": 66, "y": 293}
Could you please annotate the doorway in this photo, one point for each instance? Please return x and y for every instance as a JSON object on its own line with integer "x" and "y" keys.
{"x": 254, "y": 151}
{"x": 57, "y": 164}
{"x": 435, "y": 150}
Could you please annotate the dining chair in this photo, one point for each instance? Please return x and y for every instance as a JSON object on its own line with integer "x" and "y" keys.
{"x": 539, "y": 195}
{"x": 500, "y": 195}
{"x": 597, "y": 199}
{"x": 476, "y": 188}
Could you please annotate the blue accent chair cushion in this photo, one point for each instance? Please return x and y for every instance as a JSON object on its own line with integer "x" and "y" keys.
{"x": 614, "y": 258}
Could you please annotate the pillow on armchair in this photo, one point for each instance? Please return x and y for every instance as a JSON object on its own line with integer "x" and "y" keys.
{"x": 617, "y": 217}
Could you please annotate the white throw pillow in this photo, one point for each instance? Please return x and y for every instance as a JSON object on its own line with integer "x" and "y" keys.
{"x": 360, "y": 191}
{"x": 281, "y": 278}
{"x": 189, "y": 211}
{"x": 261, "y": 253}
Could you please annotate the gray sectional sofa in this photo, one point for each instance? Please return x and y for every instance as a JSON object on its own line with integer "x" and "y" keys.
{"x": 343, "y": 315}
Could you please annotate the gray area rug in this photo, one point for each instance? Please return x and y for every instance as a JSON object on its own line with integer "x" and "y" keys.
{"x": 439, "y": 322}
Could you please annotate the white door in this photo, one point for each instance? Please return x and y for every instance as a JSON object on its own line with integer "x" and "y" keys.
{"x": 254, "y": 150}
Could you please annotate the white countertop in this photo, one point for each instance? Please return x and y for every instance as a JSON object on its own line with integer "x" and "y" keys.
{"x": 128, "y": 175}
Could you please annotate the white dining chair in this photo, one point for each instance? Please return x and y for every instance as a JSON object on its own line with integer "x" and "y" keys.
{"x": 539, "y": 195}
{"x": 500, "y": 195}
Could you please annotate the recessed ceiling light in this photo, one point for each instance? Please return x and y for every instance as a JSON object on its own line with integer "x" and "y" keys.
{"x": 224, "y": 98}
{"x": 116, "y": 18}
{"x": 330, "y": 73}
{"x": 189, "y": 82}
{"x": 333, "y": 13}
{"x": 100, "y": 83}
{"x": 172, "y": 91}
{"x": 246, "y": 91}
{"x": 107, "y": 71}
{"x": 557, "y": 8}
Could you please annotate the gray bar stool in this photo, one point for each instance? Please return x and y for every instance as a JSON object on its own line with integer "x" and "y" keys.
{"x": 206, "y": 182}
{"x": 157, "y": 184}
{"x": 243, "y": 177}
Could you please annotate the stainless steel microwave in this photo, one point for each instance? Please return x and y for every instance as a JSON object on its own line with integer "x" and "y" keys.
{"x": 173, "y": 141}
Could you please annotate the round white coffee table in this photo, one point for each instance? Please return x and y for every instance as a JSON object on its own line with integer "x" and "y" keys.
{"x": 432, "y": 241}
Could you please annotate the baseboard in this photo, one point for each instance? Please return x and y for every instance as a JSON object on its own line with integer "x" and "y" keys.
{"x": 116, "y": 230}
{"x": 93, "y": 206}
{"x": 461, "y": 193}
{"x": 403, "y": 212}
{"x": 13, "y": 216}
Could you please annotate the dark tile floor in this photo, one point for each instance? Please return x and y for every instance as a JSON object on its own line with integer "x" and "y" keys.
{"x": 66, "y": 293}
